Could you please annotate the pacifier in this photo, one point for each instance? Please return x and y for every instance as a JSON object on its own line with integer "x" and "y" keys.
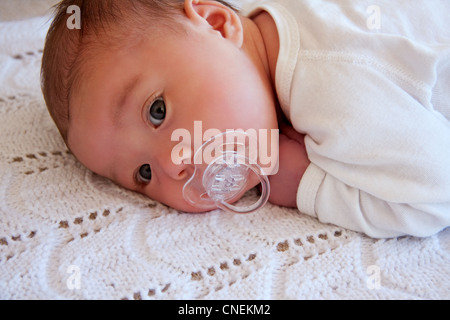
{"x": 225, "y": 167}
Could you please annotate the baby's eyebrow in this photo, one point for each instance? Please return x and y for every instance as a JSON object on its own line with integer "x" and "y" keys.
{"x": 120, "y": 101}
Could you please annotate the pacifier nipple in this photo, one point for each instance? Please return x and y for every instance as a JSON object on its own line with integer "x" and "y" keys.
{"x": 227, "y": 176}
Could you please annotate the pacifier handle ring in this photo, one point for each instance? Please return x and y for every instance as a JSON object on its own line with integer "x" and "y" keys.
{"x": 265, "y": 192}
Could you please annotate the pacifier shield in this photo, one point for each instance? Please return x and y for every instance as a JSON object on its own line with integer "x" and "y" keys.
{"x": 226, "y": 176}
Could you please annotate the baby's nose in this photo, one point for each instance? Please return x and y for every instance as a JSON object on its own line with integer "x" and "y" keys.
{"x": 177, "y": 169}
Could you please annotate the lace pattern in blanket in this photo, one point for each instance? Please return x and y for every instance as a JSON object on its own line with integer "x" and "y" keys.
{"x": 66, "y": 233}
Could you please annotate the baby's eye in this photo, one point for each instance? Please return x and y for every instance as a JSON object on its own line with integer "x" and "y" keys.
{"x": 157, "y": 112}
{"x": 144, "y": 174}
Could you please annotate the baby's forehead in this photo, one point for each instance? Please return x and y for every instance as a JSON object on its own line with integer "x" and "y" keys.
{"x": 117, "y": 42}
{"x": 126, "y": 36}
{"x": 100, "y": 59}
{"x": 104, "y": 46}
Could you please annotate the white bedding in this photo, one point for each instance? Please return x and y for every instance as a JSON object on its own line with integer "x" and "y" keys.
{"x": 66, "y": 233}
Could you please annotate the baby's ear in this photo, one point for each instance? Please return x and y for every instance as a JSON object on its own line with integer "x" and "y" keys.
{"x": 217, "y": 16}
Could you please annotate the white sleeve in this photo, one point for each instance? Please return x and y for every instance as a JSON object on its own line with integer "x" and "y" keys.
{"x": 380, "y": 158}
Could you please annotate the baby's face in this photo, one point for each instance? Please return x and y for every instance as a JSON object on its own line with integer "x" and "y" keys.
{"x": 124, "y": 112}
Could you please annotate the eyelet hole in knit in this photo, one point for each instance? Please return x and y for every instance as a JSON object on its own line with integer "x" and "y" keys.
{"x": 22, "y": 56}
{"x": 78, "y": 224}
{"x": 11, "y": 241}
{"x": 309, "y": 246}
{"x": 211, "y": 275}
{"x": 40, "y": 161}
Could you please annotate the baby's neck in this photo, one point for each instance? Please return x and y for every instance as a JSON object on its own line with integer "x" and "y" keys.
{"x": 261, "y": 40}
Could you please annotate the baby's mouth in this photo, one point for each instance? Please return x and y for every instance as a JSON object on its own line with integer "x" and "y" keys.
{"x": 222, "y": 180}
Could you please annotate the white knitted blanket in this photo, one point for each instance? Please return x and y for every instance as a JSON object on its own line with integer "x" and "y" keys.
{"x": 66, "y": 233}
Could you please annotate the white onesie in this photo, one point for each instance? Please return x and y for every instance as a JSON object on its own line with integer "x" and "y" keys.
{"x": 368, "y": 82}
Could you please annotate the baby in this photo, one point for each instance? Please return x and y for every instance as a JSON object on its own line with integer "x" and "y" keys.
{"x": 359, "y": 92}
